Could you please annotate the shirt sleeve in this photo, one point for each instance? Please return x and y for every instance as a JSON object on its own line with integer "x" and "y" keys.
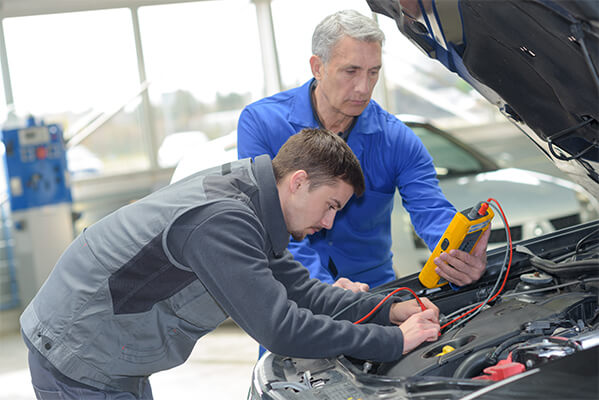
{"x": 309, "y": 258}
{"x": 274, "y": 301}
{"x": 251, "y": 136}
{"x": 429, "y": 209}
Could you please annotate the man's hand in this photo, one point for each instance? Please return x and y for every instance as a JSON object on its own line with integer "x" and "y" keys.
{"x": 400, "y": 312}
{"x": 461, "y": 268}
{"x": 355, "y": 287}
{"x": 420, "y": 327}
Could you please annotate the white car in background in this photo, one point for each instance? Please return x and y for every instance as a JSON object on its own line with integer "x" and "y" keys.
{"x": 174, "y": 146}
{"x": 535, "y": 203}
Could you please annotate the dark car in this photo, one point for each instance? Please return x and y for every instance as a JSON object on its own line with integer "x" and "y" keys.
{"x": 529, "y": 328}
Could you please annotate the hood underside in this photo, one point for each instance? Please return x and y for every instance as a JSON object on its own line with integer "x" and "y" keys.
{"x": 534, "y": 59}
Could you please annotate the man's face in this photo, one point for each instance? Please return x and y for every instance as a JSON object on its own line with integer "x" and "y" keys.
{"x": 347, "y": 80}
{"x": 308, "y": 211}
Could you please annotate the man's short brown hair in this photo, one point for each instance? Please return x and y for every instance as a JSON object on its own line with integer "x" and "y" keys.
{"x": 323, "y": 155}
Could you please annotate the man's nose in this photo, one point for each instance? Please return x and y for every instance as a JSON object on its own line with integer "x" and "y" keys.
{"x": 362, "y": 84}
{"x": 328, "y": 219}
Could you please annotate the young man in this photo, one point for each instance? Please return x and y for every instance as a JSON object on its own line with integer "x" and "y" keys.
{"x": 356, "y": 252}
{"x": 136, "y": 290}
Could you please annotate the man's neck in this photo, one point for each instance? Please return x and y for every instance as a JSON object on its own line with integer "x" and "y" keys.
{"x": 330, "y": 118}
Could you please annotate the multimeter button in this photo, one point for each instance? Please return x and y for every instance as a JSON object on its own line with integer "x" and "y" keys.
{"x": 444, "y": 244}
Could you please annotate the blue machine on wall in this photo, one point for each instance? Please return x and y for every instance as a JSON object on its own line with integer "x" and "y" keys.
{"x": 40, "y": 201}
{"x": 37, "y": 166}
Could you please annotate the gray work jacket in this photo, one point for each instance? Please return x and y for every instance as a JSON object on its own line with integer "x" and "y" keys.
{"x": 135, "y": 291}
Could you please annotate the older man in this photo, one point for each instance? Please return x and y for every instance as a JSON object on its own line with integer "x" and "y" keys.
{"x": 355, "y": 253}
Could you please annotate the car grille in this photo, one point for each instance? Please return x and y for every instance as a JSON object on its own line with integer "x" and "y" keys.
{"x": 498, "y": 235}
{"x": 564, "y": 222}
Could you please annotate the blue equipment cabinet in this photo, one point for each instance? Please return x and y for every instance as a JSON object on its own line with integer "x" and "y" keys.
{"x": 40, "y": 201}
{"x": 37, "y": 166}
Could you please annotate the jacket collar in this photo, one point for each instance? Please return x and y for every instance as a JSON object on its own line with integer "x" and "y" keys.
{"x": 270, "y": 205}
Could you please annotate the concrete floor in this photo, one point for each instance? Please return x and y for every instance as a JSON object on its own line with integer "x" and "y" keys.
{"x": 220, "y": 367}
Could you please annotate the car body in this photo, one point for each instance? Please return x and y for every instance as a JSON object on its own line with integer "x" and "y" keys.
{"x": 535, "y": 331}
{"x": 197, "y": 158}
{"x": 468, "y": 176}
{"x": 82, "y": 162}
{"x": 174, "y": 145}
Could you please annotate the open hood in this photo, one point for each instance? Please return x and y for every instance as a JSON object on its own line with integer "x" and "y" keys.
{"x": 536, "y": 60}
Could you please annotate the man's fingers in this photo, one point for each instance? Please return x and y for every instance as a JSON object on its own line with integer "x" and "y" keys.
{"x": 418, "y": 328}
{"x": 451, "y": 274}
{"x": 430, "y": 315}
{"x": 355, "y": 287}
{"x": 481, "y": 247}
{"x": 431, "y": 306}
{"x": 460, "y": 267}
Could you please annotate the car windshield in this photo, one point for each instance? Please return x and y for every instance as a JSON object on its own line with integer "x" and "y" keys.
{"x": 449, "y": 158}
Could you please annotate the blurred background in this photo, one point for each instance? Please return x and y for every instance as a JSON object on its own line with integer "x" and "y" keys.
{"x": 116, "y": 92}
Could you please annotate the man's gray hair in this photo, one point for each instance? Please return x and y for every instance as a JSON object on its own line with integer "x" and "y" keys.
{"x": 340, "y": 24}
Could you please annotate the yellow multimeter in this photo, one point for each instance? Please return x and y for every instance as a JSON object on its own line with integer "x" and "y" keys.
{"x": 463, "y": 233}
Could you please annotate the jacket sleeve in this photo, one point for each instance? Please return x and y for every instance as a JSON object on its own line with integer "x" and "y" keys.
{"x": 274, "y": 301}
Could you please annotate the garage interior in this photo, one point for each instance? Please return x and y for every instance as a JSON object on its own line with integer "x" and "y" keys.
{"x": 117, "y": 91}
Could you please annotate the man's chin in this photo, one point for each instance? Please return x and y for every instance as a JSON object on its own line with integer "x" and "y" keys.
{"x": 298, "y": 237}
{"x": 356, "y": 110}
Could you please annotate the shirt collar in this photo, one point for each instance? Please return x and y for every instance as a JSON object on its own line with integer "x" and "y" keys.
{"x": 345, "y": 134}
{"x": 302, "y": 113}
{"x": 270, "y": 205}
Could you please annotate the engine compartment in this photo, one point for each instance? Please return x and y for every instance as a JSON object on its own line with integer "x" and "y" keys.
{"x": 538, "y": 338}
{"x": 535, "y": 328}
{"x": 548, "y": 310}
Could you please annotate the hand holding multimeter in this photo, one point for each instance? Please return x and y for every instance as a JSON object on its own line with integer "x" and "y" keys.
{"x": 463, "y": 233}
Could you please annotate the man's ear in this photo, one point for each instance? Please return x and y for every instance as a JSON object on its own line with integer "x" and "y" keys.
{"x": 297, "y": 179}
{"x": 316, "y": 65}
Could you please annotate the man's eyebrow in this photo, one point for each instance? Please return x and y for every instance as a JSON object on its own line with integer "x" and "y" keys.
{"x": 352, "y": 66}
{"x": 337, "y": 203}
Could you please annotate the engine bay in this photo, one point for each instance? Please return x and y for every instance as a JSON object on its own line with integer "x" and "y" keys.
{"x": 546, "y": 319}
{"x": 534, "y": 322}
{"x": 547, "y": 310}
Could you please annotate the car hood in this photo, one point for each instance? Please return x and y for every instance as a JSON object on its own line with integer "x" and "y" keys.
{"x": 536, "y": 60}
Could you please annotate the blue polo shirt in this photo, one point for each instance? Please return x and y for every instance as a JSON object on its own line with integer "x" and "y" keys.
{"x": 358, "y": 246}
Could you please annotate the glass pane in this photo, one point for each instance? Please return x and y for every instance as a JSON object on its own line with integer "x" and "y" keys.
{"x": 294, "y": 22}
{"x": 4, "y": 110}
{"x": 419, "y": 85}
{"x": 449, "y": 158}
{"x": 75, "y": 69}
{"x": 204, "y": 65}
